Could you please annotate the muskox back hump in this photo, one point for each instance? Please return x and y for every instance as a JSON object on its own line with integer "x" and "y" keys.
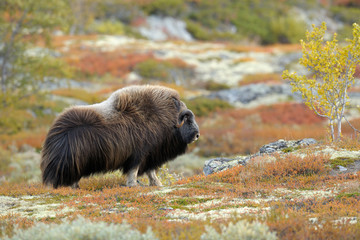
{"x": 75, "y": 146}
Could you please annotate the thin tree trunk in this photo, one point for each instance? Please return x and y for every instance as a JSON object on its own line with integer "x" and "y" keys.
{"x": 339, "y": 129}
{"x": 332, "y": 130}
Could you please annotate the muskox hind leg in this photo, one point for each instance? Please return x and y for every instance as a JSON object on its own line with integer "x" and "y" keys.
{"x": 153, "y": 179}
{"x": 132, "y": 177}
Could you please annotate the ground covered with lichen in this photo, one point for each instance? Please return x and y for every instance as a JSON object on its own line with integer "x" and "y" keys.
{"x": 298, "y": 195}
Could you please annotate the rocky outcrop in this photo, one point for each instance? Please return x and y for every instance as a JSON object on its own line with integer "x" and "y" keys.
{"x": 281, "y": 146}
{"x": 341, "y": 160}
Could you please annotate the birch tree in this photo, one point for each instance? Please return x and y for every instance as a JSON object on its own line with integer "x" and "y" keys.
{"x": 332, "y": 67}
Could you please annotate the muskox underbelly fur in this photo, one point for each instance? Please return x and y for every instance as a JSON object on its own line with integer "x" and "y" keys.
{"x": 136, "y": 130}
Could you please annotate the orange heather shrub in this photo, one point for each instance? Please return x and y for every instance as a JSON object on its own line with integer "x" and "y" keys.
{"x": 261, "y": 78}
{"x": 117, "y": 64}
{"x": 34, "y": 139}
{"x": 288, "y": 113}
{"x": 293, "y": 165}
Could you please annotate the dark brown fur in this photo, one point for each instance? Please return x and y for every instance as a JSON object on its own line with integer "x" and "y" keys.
{"x": 140, "y": 126}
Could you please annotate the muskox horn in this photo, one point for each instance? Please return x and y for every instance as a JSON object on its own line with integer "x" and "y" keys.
{"x": 183, "y": 116}
{"x": 180, "y": 124}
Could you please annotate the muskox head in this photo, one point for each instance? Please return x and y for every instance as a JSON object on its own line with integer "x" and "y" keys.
{"x": 189, "y": 130}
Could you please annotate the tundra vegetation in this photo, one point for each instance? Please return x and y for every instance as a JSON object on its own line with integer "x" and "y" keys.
{"x": 293, "y": 194}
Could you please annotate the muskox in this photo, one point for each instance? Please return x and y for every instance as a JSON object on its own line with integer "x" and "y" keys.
{"x": 136, "y": 130}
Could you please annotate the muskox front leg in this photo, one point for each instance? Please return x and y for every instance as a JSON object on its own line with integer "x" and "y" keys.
{"x": 132, "y": 177}
{"x": 153, "y": 179}
{"x": 75, "y": 186}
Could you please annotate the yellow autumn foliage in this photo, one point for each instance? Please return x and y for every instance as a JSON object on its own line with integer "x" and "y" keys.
{"x": 332, "y": 67}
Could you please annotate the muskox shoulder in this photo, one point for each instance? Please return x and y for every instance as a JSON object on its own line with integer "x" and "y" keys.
{"x": 148, "y": 98}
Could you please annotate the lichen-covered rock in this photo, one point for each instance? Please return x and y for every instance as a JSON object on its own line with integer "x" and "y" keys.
{"x": 289, "y": 145}
{"x": 282, "y": 146}
{"x": 219, "y": 164}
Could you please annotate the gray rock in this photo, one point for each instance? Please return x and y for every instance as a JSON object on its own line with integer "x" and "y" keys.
{"x": 252, "y": 92}
{"x": 274, "y": 146}
{"x": 306, "y": 142}
{"x": 214, "y": 163}
{"x": 220, "y": 164}
{"x": 282, "y": 144}
{"x": 166, "y": 208}
{"x": 164, "y": 28}
{"x": 341, "y": 168}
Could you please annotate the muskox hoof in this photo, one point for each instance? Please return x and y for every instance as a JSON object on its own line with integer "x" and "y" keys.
{"x": 156, "y": 183}
{"x": 132, "y": 184}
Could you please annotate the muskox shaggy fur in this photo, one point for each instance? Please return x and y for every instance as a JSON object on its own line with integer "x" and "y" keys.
{"x": 136, "y": 130}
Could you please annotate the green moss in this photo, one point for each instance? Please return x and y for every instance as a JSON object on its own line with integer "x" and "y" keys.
{"x": 202, "y": 106}
{"x": 341, "y": 161}
{"x": 349, "y": 195}
{"x": 164, "y": 7}
{"x": 214, "y": 86}
{"x": 198, "y": 31}
{"x": 290, "y": 149}
{"x": 80, "y": 94}
{"x": 108, "y": 27}
{"x": 287, "y": 29}
{"x": 190, "y": 201}
{"x": 167, "y": 71}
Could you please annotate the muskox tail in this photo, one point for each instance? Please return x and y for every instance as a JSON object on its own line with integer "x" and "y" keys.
{"x": 74, "y": 147}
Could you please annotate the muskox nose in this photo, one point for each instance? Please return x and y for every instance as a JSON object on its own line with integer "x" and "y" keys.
{"x": 197, "y": 136}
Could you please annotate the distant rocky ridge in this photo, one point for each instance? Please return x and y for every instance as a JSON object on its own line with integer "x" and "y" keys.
{"x": 252, "y": 92}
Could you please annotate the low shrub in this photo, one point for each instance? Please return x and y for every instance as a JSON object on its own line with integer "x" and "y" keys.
{"x": 163, "y": 7}
{"x": 20, "y": 167}
{"x": 169, "y": 71}
{"x": 108, "y": 27}
{"x": 215, "y": 86}
{"x": 82, "y": 229}
{"x": 15, "y": 120}
{"x": 118, "y": 64}
{"x": 261, "y": 78}
{"x": 197, "y": 31}
{"x": 202, "y": 106}
{"x": 292, "y": 165}
{"x": 79, "y": 94}
{"x": 240, "y": 230}
{"x": 154, "y": 69}
{"x": 341, "y": 162}
{"x": 288, "y": 113}
{"x": 5, "y": 161}
{"x": 287, "y": 29}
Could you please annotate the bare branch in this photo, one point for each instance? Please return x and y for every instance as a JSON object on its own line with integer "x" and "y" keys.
{"x": 351, "y": 125}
